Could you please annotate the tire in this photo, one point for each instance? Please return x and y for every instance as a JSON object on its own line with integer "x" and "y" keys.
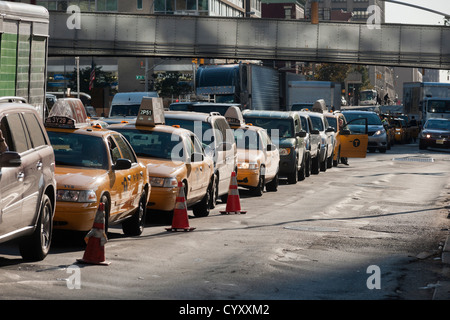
{"x": 308, "y": 166}
{"x": 273, "y": 185}
{"x": 315, "y": 167}
{"x": 302, "y": 171}
{"x": 36, "y": 246}
{"x": 259, "y": 189}
{"x": 293, "y": 176}
{"x": 330, "y": 161}
{"x": 323, "y": 164}
{"x": 134, "y": 226}
{"x": 214, "y": 193}
{"x": 336, "y": 162}
{"x": 382, "y": 150}
{"x": 202, "y": 208}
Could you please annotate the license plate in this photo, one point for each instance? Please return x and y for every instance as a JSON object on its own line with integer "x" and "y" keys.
{"x": 440, "y": 141}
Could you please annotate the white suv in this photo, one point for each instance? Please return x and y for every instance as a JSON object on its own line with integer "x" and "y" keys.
{"x": 27, "y": 184}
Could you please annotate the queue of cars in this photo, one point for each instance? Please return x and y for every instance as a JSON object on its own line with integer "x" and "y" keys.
{"x": 134, "y": 164}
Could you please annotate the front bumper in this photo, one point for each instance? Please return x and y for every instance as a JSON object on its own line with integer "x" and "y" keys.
{"x": 379, "y": 141}
{"x": 74, "y": 216}
{"x": 248, "y": 177}
{"x": 162, "y": 199}
{"x": 435, "y": 143}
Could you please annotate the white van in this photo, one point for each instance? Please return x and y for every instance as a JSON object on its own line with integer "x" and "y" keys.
{"x": 127, "y": 104}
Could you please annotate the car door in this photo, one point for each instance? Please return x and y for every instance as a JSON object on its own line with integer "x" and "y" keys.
{"x": 122, "y": 182}
{"x": 194, "y": 168}
{"x": 30, "y": 172}
{"x": 354, "y": 145}
{"x": 11, "y": 190}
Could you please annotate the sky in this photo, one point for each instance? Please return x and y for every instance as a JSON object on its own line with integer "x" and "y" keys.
{"x": 395, "y": 13}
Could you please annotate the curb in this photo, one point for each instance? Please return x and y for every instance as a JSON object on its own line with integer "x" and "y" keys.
{"x": 442, "y": 290}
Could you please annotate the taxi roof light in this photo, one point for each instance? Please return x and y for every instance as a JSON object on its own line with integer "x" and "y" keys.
{"x": 151, "y": 112}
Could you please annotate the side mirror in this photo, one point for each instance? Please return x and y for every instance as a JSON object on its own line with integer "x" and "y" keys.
{"x": 122, "y": 164}
{"x": 345, "y": 132}
{"x": 10, "y": 159}
{"x": 330, "y": 129}
{"x": 315, "y": 131}
{"x": 271, "y": 147}
{"x": 301, "y": 134}
{"x": 197, "y": 157}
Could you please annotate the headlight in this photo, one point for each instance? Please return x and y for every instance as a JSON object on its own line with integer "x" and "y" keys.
{"x": 248, "y": 165}
{"x": 76, "y": 195}
{"x": 379, "y": 132}
{"x": 163, "y": 182}
{"x": 285, "y": 151}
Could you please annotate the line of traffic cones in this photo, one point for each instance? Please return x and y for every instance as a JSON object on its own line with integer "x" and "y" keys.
{"x": 233, "y": 202}
{"x": 96, "y": 240}
{"x": 180, "y": 221}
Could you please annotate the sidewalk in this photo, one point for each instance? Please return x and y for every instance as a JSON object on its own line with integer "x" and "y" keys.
{"x": 442, "y": 290}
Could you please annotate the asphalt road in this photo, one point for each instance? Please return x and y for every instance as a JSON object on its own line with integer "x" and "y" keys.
{"x": 368, "y": 231}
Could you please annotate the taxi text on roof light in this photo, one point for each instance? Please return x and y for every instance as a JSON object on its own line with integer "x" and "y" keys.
{"x": 151, "y": 112}
{"x": 234, "y": 116}
{"x": 66, "y": 113}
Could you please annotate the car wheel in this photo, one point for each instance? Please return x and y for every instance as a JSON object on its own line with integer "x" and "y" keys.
{"x": 202, "y": 208}
{"x": 316, "y": 164}
{"x": 259, "y": 189}
{"x": 134, "y": 226}
{"x": 214, "y": 192}
{"x": 293, "y": 176}
{"x": 302, "y": 171}
{"x": 273, "y": 185}
{"x": 382, "y": 150}
{"x": 323, "y": 164}
{"x": 336, "y": 162}
{"x": 105, "y": 201}
{"x": 308, "y": 166}
{"x": 36, "y": 246}
{"x": 330, "y": 161}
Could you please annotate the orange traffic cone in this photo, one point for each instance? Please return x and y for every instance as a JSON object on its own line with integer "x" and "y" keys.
{"x": 96, "y": 239}
{"x": 233, "y": 202}
{"x": 180, "y": 216}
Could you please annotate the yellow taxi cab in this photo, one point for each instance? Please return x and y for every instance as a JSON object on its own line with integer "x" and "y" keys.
{"x": 171, "y": 154}
{"x": 351, "y": 138}
{"x": 401, "y": 130}
{"x": 94, "y": 165}
{"x": 257, "y": 157}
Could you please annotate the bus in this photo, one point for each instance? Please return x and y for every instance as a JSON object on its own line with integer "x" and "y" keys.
{"x": 24, "y": 33}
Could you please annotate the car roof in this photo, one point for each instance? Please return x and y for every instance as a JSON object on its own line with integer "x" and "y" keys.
{"x": 269, "y": 114}
{"x": 189, "y": 115}
{"x": 358, "y": 111}
{"x": 85, "y": 130}
{"x": 159, "y": 128}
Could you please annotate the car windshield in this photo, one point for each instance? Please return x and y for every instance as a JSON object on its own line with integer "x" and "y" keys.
{"x": 332, "y": 121}
{"x": 199, "y": 128}
{"x": 126, "y": 110}
{"x": 372, "y": 118}
{"x": 283, "y": 127}
{"x": 317, "y": 123}
{"x": 78, "y": 150}
{"x": 247, "y": 139}
{"x": 438, "y": 124}
{"x": 439, "y": 106}
{"x": 153, "y": 144}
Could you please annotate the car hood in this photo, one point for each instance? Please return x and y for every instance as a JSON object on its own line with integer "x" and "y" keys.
{"x": 73, "y": 178}
{"x": 249, "y": 155}
{"x": 287, "y": 142}
{"x": 436, "y": 131}
{"x": 162, "y": 167}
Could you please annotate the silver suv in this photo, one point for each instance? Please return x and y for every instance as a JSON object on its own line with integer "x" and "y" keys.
{"x": 27, "y": 184}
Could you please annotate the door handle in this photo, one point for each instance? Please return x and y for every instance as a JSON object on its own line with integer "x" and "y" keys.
{"x": 20, "y": 176}
{"x": 39, "y": 165}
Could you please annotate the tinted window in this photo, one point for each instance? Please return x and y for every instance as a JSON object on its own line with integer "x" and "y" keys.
{"x": 317, "y": 123}
{"x": 35, "y": 130}
{"x": 127, "y": 152}
{"x": 283, "y": 127}
{"x": 18, "y": 135}
{"x": 372, "y": 118}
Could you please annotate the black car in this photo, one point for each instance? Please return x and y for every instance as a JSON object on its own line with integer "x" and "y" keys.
{"x": 435, "y": 133}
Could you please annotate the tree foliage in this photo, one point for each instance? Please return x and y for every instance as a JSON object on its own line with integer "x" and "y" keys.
{"x": 103, "y": 79}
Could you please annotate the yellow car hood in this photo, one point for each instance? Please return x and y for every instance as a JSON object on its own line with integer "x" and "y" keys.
{"x": 162, "y": 167}
{"x": 80, "y": 178}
